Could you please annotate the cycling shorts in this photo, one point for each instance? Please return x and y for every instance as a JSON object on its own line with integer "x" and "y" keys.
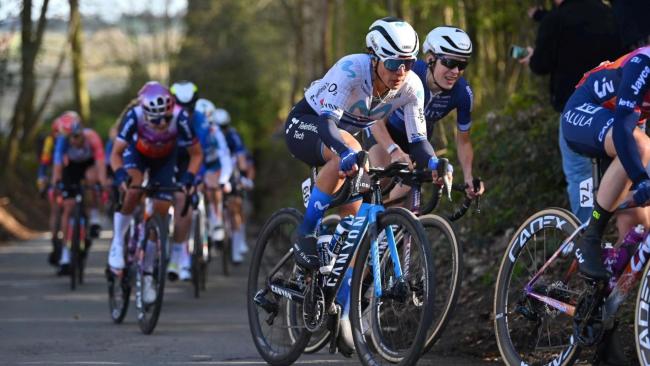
{"x": 73, "y": 174}
{"x": 301, "y": 135}
{"x": 161, "y": 170}
{"x": 585, "y": 126}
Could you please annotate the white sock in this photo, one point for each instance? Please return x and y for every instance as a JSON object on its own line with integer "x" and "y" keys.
{"x": 65, "y": 255}
{"x": 94, "y": 216}
{"x": 120, "y": 226}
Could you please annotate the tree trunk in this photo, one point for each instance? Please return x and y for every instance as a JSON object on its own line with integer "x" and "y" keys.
{"x": 81, "y": 96}
{"x": 326, "y": 36}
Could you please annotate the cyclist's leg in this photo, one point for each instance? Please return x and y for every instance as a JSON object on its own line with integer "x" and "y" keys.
{"x": 213, "y": 197}
{"x": 92, "y": 179}
{"x": 305, "y": 144}
{"x": 66, "y": 228}
{"x": 135, "y": 165}
{"x": 594, "y": 136}
{"x": 238, "y": 234}
{"x": 53, "y": 222}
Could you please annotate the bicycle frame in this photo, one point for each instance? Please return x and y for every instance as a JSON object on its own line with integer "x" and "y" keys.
{"x": 344, "y": 252}
{"x": 626, "y": 281}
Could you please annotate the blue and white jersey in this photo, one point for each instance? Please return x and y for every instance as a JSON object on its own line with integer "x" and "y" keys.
{"x": 234, "y": 140}
{"x": 437, "y": 106}
{"x": 345, "y": 93}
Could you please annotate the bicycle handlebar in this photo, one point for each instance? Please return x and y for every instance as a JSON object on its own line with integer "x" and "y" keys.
{"x": 152, "y": 189}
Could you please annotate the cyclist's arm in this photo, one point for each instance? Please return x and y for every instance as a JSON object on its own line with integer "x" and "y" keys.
{"x": 330, "y": 134}
{"x": 416, "y": 127}
{"x": 119, "y": 146}
{"x": 98, "y": 154}
{"x": 224, "y": 156}
{"x": 463, "y": 142}
{"x": 60, "y": 148}
{"x": 633, "y": 87}
{"x": 187, "y": 139}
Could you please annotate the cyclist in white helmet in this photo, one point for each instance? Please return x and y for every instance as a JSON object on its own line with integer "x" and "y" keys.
{"x": 446, "y": 54}
{"x": 217, "y": 166}
{"x": 357, "y": 91}
{"x": 235, "y": 201}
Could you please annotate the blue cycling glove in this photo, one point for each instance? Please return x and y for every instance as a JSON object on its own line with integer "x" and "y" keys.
{"x": 348, "y": 160}
{"x": 433, "y": 165}
{"x": 120, "y": 176}
{"x": 187, "y": 179}
{"x": 642, "y": 194}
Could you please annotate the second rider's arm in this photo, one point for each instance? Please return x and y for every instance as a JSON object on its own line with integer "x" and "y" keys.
{"x": 385, "y": 141}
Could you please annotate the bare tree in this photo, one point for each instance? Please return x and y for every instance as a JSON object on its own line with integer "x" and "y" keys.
{"x": 23, "y": 117}
{"x": 81, "y": 95}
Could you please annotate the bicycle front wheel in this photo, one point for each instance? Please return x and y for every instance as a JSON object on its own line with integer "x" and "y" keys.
{"x": 151, "y": 273}
{"x": 529, "y": 331}
{"x": 75, "y": 247}
{"x": 392, "y": 328}
{"x": 448, "y": 263}
{"x": 277, "y": 340}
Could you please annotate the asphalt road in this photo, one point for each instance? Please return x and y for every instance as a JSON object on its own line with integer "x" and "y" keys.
{"x": 43, "y": 322}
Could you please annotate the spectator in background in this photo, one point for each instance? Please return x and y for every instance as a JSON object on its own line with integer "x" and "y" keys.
{"x": 633, "y": 24}
{"x": 573, "y": 37}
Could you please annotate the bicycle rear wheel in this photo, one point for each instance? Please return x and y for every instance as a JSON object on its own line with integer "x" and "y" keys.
{"x": 529, "y": 331}
{"x": 154, "y": 264}
{"x": 393, "y": 328}
{"x": 448, "y": 263}
{"x": 278, "y": 341}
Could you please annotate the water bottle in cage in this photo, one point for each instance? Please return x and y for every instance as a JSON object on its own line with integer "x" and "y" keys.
{"x": 615, "y": 259}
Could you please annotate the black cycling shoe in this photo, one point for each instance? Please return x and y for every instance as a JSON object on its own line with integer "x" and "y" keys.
{"x": 55, "y": 254}
{"x": 95, "y": 230}
{"x": 305, "y": 253}
{"x": 64, "y": 270}
{"x": 589, "y": 256}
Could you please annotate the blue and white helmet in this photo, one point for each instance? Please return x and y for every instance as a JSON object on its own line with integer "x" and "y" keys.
{"x": 221, "y": 117}
{"x": 392, "y": 38}
{"x": 207, "y": 108}
{"x": 448, "y": 41}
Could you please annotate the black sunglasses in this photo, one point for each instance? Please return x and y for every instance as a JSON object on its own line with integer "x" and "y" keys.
{"x": 451, "y": 63}
{"x": 393, "y": 64}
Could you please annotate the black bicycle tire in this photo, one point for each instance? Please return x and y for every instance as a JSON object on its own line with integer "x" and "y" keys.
{"x": 197, "y": 257}
{"x": 641, "y": 317}
{"x": 446, "y": 227}
{"x": 156, "y": 222}
{"x": 264, "y": 349}
{"x": 118, "y": 315}
{"x": 506, "y": 348}
{"x": 75, "y": 244}
{"x": 363, "y": 348}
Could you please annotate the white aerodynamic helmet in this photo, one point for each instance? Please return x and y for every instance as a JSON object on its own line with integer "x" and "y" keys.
{"x": 221, "y": 117}
{"x": 392, "y": 38}
{"x": 449, "y": 41}
{"x": 207, "y": 108}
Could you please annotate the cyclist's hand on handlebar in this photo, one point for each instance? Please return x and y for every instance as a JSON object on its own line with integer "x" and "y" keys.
{"x": 226, "y": 187}
{"x": 433, "y": 165}
{"x": 348, "y": 165}
{"x": 642, "y": 194}
{"x": 187, "y": 181}
{"x": 471, "y": 191}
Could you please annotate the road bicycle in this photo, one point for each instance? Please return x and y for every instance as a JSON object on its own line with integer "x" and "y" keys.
{"x": 146, "y": 256}
{"x": 79, "y": 235}
{"x": 199, "y": 244}
{"x": 392, "y": 283}
{"x": 446, "y": 248}
{"x": 547, "y": 313}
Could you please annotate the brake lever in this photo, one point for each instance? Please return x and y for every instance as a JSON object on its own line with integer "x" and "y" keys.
{"x": 476, "y": 182}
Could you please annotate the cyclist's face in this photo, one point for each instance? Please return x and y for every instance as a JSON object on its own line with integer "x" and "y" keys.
{"x": 447, "y": 69}
{"x": 160, "y": 123}
{"x": 392, "y": 79}
{"x": 76, "y": 139}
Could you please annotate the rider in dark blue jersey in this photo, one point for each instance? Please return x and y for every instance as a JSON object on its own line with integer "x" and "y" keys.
{"x": 447, "y": 51}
